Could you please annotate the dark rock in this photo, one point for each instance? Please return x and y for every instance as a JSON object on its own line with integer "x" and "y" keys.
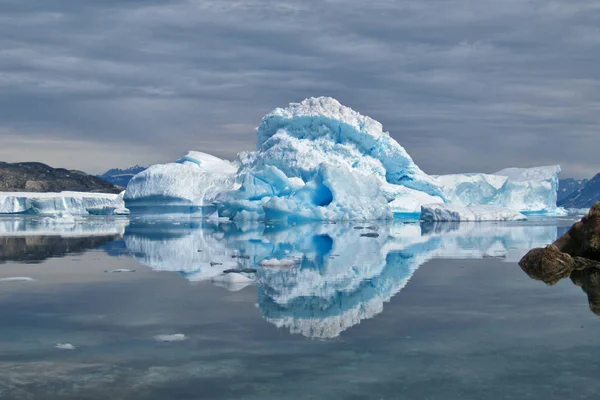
{"x": 370, "y": 234}
{"x": 576, "y": 254}
{"x": 240, "y": 271}
{"x": 589, "y": 281}
{"x": 583, "y": 239}
{"x": 212, "y": 264}
{"x": 34, "y": 249}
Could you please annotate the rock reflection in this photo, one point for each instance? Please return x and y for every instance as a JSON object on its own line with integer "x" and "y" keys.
{"x": 320, "y": 279}
{"x": 589, "y": 280}
{"x": 35, "y": 239}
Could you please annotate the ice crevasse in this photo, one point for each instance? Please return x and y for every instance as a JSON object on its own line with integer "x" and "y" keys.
{"x": 320, "y": 160}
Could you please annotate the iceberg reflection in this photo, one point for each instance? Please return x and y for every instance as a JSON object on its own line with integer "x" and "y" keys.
{"x": 320, "y": 279}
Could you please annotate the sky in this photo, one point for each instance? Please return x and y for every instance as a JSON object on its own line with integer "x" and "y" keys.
{"x": 463, "y": 85}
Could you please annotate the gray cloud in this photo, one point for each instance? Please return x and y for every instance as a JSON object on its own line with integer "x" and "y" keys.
{"x": 464, "y": 86}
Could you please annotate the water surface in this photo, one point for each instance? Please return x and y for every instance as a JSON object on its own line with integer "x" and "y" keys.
{"x": 349, "y": 311}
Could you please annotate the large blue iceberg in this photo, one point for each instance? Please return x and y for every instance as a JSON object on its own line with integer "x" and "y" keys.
{"x": 320, "y": 160}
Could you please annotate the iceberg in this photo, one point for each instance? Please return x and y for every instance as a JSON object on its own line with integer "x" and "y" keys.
{"x": 56, "y": 204}
{"x": 453, "y": 212}
{"x": 527, "y": 190}
{"x": 187, "y": 186}
{"x": 320, "y": 160}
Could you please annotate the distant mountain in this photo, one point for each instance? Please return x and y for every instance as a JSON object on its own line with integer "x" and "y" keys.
{"x": 584, "y": 197}
{"x": 568, "y": 186}
{"x": 121, "y": 177}
{"x": 38, "y": 177}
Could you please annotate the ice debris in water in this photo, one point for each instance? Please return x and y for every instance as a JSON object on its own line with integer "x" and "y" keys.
{"x": 17, "y": 279}
{"x": 177, "y": 337}
{"x": 119, "y": 270}
{"x": 320, "y": 160}
{"x": 65, "y": 346}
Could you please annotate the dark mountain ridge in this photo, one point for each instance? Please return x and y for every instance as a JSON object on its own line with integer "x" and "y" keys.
{"x": 584, "y": 197}
{"x": 38, "y": 177}
{"x": 569, "y": 185}
{"x": 121, "y": 177}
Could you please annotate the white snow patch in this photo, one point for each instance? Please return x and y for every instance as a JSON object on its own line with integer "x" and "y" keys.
{"x": 65, "y": 346}
{"x": 177, "y": 337}
{"x": 17, "y": 279}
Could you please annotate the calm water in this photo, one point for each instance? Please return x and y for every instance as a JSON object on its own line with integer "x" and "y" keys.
{"x": 417, "y": 312}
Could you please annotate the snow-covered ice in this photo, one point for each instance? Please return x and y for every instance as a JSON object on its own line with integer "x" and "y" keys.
{"x": 177, "y": 337}
{"x": 520, "y": 189}
{"x": 453, "y": 212}
{"x": 185, "y": 187}
{"x": 63, "y": 203}
{"x": 17, "y": 279}
{"x": 65, "y": 346}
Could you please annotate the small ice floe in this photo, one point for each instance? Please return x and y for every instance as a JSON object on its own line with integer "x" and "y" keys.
{"x": 177, "y": 337}
{"x": 274, "y": 263}
{"x": 118, "y": 270}
{"x": 232, "y": 278}
{"x": 65, "y": 346}
{"x": 17, "y": 279}
{"x": 372, "y": 227}
{"x": 232, "y": 281}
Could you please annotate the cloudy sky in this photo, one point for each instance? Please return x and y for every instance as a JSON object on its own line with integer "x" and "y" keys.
{"x": 463, "y": 85}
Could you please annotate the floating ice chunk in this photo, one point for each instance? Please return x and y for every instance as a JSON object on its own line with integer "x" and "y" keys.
{"x": 520, "y": 189}
{"x": 187, "y": 187}
{"x": 63, "y": 203}
{"x": 177, "y": 337}
{"x": 232, "y": 277}
{"x": 530, "y": 189}
{"x": 65, "y": 346}
{"x": 119, "y": 270}
{"x": 453, "y": 212}
{"x": 17, "y": 279}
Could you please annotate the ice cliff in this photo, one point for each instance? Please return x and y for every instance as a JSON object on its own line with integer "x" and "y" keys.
{"x": 320, "y": 160}
{"x": 57, "y": 204}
